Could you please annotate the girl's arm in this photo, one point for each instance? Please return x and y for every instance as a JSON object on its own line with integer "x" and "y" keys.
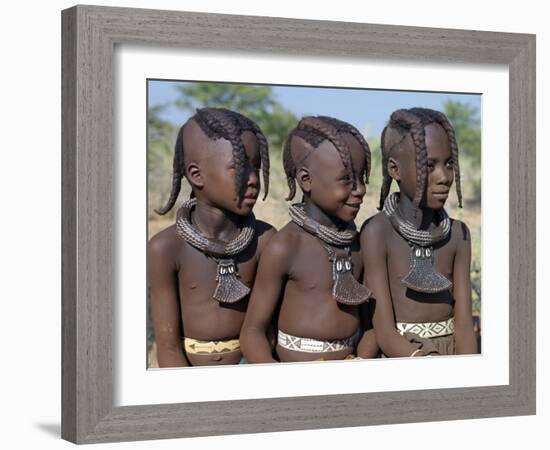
{"x": 264, "y": 299}
{"x": 465, "y": 340}
{"x": 165, "y": 307}
{"x": 367, "y": 347}
{"x": 373, "y": 250}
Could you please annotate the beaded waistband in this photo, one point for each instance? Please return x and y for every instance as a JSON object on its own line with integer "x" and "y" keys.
{"x": 314, "y": 345}
{"x": 196, "y": 346}
{"x": 427, "y": 329}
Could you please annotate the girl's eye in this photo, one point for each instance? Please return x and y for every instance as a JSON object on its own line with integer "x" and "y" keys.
{"x": 449, "y": 164}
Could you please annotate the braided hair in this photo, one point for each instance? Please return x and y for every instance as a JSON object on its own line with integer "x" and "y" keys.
{"x": 413, "y": 122}
{"x": 315, "y": 130}
{"x": 218, "y": 123}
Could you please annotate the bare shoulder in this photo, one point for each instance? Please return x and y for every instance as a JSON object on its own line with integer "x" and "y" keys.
{"x": 165, "y": 243}
{"x": 283, "y": 243}
{"x": 264, "y": 231}
{"x": 375, "y": 227}
{"x": 262, "y": 227}
{"x": 378, "y": 222}
{"x": 457, "y": 226}
{"x": 460, "y": 232}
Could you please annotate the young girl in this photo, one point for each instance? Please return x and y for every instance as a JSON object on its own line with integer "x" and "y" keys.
{"x": 416, "y": 259}
{"x": 307, "y": 276}
{"x": 202, "y": 268}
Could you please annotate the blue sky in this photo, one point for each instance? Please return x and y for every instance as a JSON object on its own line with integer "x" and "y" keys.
{"x": 366, "y": 109}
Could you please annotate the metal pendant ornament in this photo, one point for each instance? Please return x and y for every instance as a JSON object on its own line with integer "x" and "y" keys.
{"x": 346, "y": 289}
{"x": 422, "y": 275}
{"x": 229, "y": 288}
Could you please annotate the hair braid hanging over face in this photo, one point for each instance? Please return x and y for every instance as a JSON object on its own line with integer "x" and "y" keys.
{"x": 413, "y": 122}
{"x": 315, "y": 130}
{"x": 226, "y": 128}
{"x": 432, "y": 116}
{"x": 219, "y": 123}
{"x": 419, "y": 139}
{"x": 289, "y": 167}
{"x": 344, "y": 127}
{"x": 264, "y": 154}
{"x": 386, "y": 178}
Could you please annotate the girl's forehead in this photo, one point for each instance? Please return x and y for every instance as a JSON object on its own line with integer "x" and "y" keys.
{"x": 358, "y": 156}
{"x": 437, "y": 141}
{"x": 434, "y": 131}
{"x": 223, "y": 148}
{"x": 327, "y": 156}
{"x": 435, "y": 138}
{"x": 198, "y": 145}
{"x": 250, "y": 143}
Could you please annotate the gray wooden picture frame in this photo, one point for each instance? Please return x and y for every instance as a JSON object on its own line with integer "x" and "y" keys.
{"x": 90, "y": 34}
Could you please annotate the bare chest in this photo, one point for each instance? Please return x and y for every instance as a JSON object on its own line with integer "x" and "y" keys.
{"x": 313, "y": 266}
{"x": 198, "y": 273}
{"x": 400, "y": 254}
{"x": 410, "y": 305}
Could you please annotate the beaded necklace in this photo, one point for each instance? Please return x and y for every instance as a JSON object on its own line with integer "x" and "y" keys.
{"x": 229, "y": 288}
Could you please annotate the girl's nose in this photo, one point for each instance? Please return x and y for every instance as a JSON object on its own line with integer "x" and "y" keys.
{"x": 359, "y": 190}
{"x": 444, "y": 175}
{"x": 253, "y": 177}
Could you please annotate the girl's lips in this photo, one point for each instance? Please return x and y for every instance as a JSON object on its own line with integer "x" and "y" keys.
{"x": 353, "y": 205}
{"x": 249, "y": 201}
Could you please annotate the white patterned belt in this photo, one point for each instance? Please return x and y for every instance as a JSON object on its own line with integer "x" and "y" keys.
{"x": 313, "y": 345}
{"x": 428, "y": 329}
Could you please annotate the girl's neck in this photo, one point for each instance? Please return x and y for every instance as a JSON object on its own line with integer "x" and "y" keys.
{"x": 314, "y": 212}
{"x": 422, "y": 218}
{"x": 215, "y": 223}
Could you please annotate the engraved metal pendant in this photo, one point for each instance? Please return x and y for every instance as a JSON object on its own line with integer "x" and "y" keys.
{"x": 422, "y": 276}
{"x": 229, "y": 289}
{"x": 346, "y": 289}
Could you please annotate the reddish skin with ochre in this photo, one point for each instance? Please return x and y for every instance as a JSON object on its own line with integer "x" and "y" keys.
{"x": 294, "y": 279}
{"x": 181, "y": 278}
{"x": 386, "y": 254}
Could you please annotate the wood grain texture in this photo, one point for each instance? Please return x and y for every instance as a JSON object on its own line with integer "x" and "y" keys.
{"x": 68, "y": 226}
{"x": 88, "y": 198}
{"x": 523, "y": 226}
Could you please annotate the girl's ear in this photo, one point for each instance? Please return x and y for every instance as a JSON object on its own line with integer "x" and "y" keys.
{"x": 193, "y": 174}
{"x": 304, "y": 179}
{"x": 393, "y": 169}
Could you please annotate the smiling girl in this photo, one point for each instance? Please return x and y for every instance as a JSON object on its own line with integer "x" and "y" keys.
{"x": 307, "y": 276}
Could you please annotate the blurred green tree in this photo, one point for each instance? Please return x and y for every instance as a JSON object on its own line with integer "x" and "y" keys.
{"x": 161, "y": 136}
{"x": 465, "y": 121}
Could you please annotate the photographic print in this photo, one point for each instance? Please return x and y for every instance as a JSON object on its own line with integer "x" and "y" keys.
{"x": 286, "y": 223}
